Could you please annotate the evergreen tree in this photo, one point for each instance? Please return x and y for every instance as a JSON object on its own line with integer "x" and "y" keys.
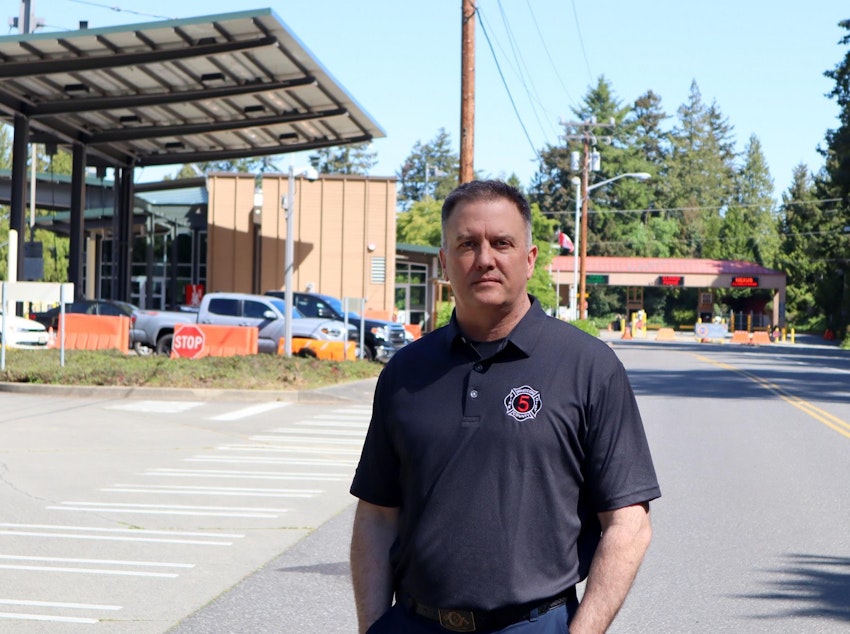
{"x": 357, "y": 158}
{"x": 431, "y": 169}
{"x": 799, "y": 221}
{"x": 833, "y": 289}
{"x": 749, "y": 229}
{"x": 699, "y": 178}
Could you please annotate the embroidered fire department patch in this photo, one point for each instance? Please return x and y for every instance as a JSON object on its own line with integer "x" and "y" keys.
{"x": 523, "y": 403}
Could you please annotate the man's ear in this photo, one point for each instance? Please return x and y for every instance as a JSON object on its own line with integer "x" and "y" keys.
{"x": 532, "y": 259}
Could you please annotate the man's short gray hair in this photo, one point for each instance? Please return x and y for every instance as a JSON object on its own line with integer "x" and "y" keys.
{"x": 488, "y": 190}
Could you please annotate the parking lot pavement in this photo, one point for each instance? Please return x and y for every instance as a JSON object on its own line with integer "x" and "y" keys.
{"x": 129, "y": 514}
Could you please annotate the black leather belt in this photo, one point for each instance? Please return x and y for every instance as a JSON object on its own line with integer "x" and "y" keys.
{"x": 477, "y": 620}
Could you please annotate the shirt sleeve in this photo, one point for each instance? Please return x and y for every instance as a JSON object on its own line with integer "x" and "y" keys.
{"x": 377, "y": 477}
{"x": 618, "y": 465}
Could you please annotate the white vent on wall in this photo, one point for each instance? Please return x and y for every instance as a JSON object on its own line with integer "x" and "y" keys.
{"x": 379, "y": 270}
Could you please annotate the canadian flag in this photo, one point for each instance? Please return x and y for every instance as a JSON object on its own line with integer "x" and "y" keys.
{"x": 564, "y": 242}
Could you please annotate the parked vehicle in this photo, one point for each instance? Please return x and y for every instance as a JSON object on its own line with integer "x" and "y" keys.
{"x": 109, "y": 307}
{"x": 267, "y": 314}
{"x": 381, "y": 338}
{"x": 23, "y": 333}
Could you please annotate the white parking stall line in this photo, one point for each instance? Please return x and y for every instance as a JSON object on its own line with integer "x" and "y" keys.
{"x": 22, "y": 616}
{"x": 91, "y": 571}
{"x": 364, "y": 417}
{"x": 328, "y": 441}
{"x": 313, "y": 424}
{"x": 290, "y": 449}
{"x": 317, "y": 462}
{"x": 248, "y": 475}
{"x": 245, "y": 412}
{"x": 156, "y": 407}
{"x": 117, "y": 534}
{"x": 19, "y": 616}
{"x": 58, "y": 604}
{"x": 318, "y": 432}
{"x": 171, "y": 489}
{"x": 168, "y": 509}
{"x": 110, "y": 562}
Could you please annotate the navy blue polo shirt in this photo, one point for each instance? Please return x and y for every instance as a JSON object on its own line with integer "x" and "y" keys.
{"x": 500, "y": 465}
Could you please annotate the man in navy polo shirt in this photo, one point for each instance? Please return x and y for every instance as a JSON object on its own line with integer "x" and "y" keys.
{"x": 506, "y": 458}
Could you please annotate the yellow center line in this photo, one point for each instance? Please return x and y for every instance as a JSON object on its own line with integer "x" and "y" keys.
{"x": 823, "y": 417}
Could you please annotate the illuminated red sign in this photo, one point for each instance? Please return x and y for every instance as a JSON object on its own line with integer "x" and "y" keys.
{"x": 671, "y": 280}
{"x": 745, "y": 282}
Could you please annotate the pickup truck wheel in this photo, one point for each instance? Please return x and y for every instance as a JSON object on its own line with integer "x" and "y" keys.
{"x": 163, "y": 346}
{"x": 142, "y": 350}
{"x": 307, "y": 353}
{"x": 363, "y": 352}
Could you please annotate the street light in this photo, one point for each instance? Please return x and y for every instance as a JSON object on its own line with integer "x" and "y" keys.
{"x": 583, "y": 233}
{"x": 310, "y": 174}
{"x": 576, "y": 244}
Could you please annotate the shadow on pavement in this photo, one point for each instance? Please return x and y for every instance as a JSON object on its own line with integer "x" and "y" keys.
{"x": 800, "y": 370}
{"x": 815, "y": 585}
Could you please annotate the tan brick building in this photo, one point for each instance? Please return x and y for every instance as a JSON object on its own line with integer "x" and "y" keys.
{"x": 344, "y": 235}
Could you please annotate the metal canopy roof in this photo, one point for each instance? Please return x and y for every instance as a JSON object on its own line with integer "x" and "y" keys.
{"x": 218, "y": 87}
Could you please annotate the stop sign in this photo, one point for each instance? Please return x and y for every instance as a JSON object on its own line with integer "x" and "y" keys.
{"x": 188, "y": 341}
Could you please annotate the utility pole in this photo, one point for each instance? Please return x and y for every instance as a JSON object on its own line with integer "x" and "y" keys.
{"x": 589, "y": 161}
{"x": 467, "y": 92}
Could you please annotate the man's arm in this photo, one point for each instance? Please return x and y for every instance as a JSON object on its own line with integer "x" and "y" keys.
{"x": 626, "y": 534}
{"x": 375, "y": 529}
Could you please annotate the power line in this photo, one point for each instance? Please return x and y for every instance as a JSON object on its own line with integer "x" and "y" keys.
{"x": 121, "y": 10}
{"x": 548, "y": 54}
{"x": 505, "y": 84}
{"x": 581, "y": 42}
{"x": 654, "y": 210}
{"x": 532, "y": 94}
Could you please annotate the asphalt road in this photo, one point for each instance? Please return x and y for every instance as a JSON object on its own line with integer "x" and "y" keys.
{"x": 752, "y": 448}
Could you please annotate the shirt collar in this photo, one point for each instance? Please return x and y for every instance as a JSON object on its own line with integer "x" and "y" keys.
{"x": 523, "y": 336}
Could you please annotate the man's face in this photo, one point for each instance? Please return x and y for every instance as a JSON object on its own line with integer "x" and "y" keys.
{"x": 486, "y": 256}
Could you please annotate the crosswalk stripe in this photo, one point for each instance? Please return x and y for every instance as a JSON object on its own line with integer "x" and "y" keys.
{"x": 319, "y": 432}
{"x": 259, "y": 408}
{"x": 323, "y": 441}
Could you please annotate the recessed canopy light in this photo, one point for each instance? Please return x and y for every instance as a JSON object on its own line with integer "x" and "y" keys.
{"x": 211, "y": 78}
{"x": 72, "y": 88}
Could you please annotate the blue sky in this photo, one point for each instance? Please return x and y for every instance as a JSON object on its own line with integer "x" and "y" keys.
{"x": 760, "y": 61}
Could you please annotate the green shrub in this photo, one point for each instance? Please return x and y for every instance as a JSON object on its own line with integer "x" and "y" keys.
{"x": 587, "y": 326}
{"x": 444, "y": 313}
{"x": 684, "y": 316}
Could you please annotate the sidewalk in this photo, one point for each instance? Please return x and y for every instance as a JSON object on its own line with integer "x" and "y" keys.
{"x": 355, "y": 391}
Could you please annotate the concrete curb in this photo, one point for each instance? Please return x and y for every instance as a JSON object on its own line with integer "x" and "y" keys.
{"x": 355, "y": 391}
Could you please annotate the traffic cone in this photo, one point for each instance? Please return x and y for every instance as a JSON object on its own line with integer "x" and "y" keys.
{"x": 51, "y": 338}
{"x": 627, "y": 332}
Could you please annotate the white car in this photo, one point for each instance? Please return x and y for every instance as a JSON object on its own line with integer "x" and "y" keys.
{"x": 24, "y": 333}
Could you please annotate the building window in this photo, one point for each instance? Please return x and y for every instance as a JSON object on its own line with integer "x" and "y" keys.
{"x": 411, "y": 292}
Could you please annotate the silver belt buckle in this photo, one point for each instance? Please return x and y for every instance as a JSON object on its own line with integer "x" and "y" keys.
{"x": 457, "y": 620}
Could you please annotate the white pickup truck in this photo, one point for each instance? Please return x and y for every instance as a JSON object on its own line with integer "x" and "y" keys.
{"x": 155, "y": 329}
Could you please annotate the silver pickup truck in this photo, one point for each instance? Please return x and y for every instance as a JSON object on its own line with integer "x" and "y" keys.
{"x": 155, "y": 329}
